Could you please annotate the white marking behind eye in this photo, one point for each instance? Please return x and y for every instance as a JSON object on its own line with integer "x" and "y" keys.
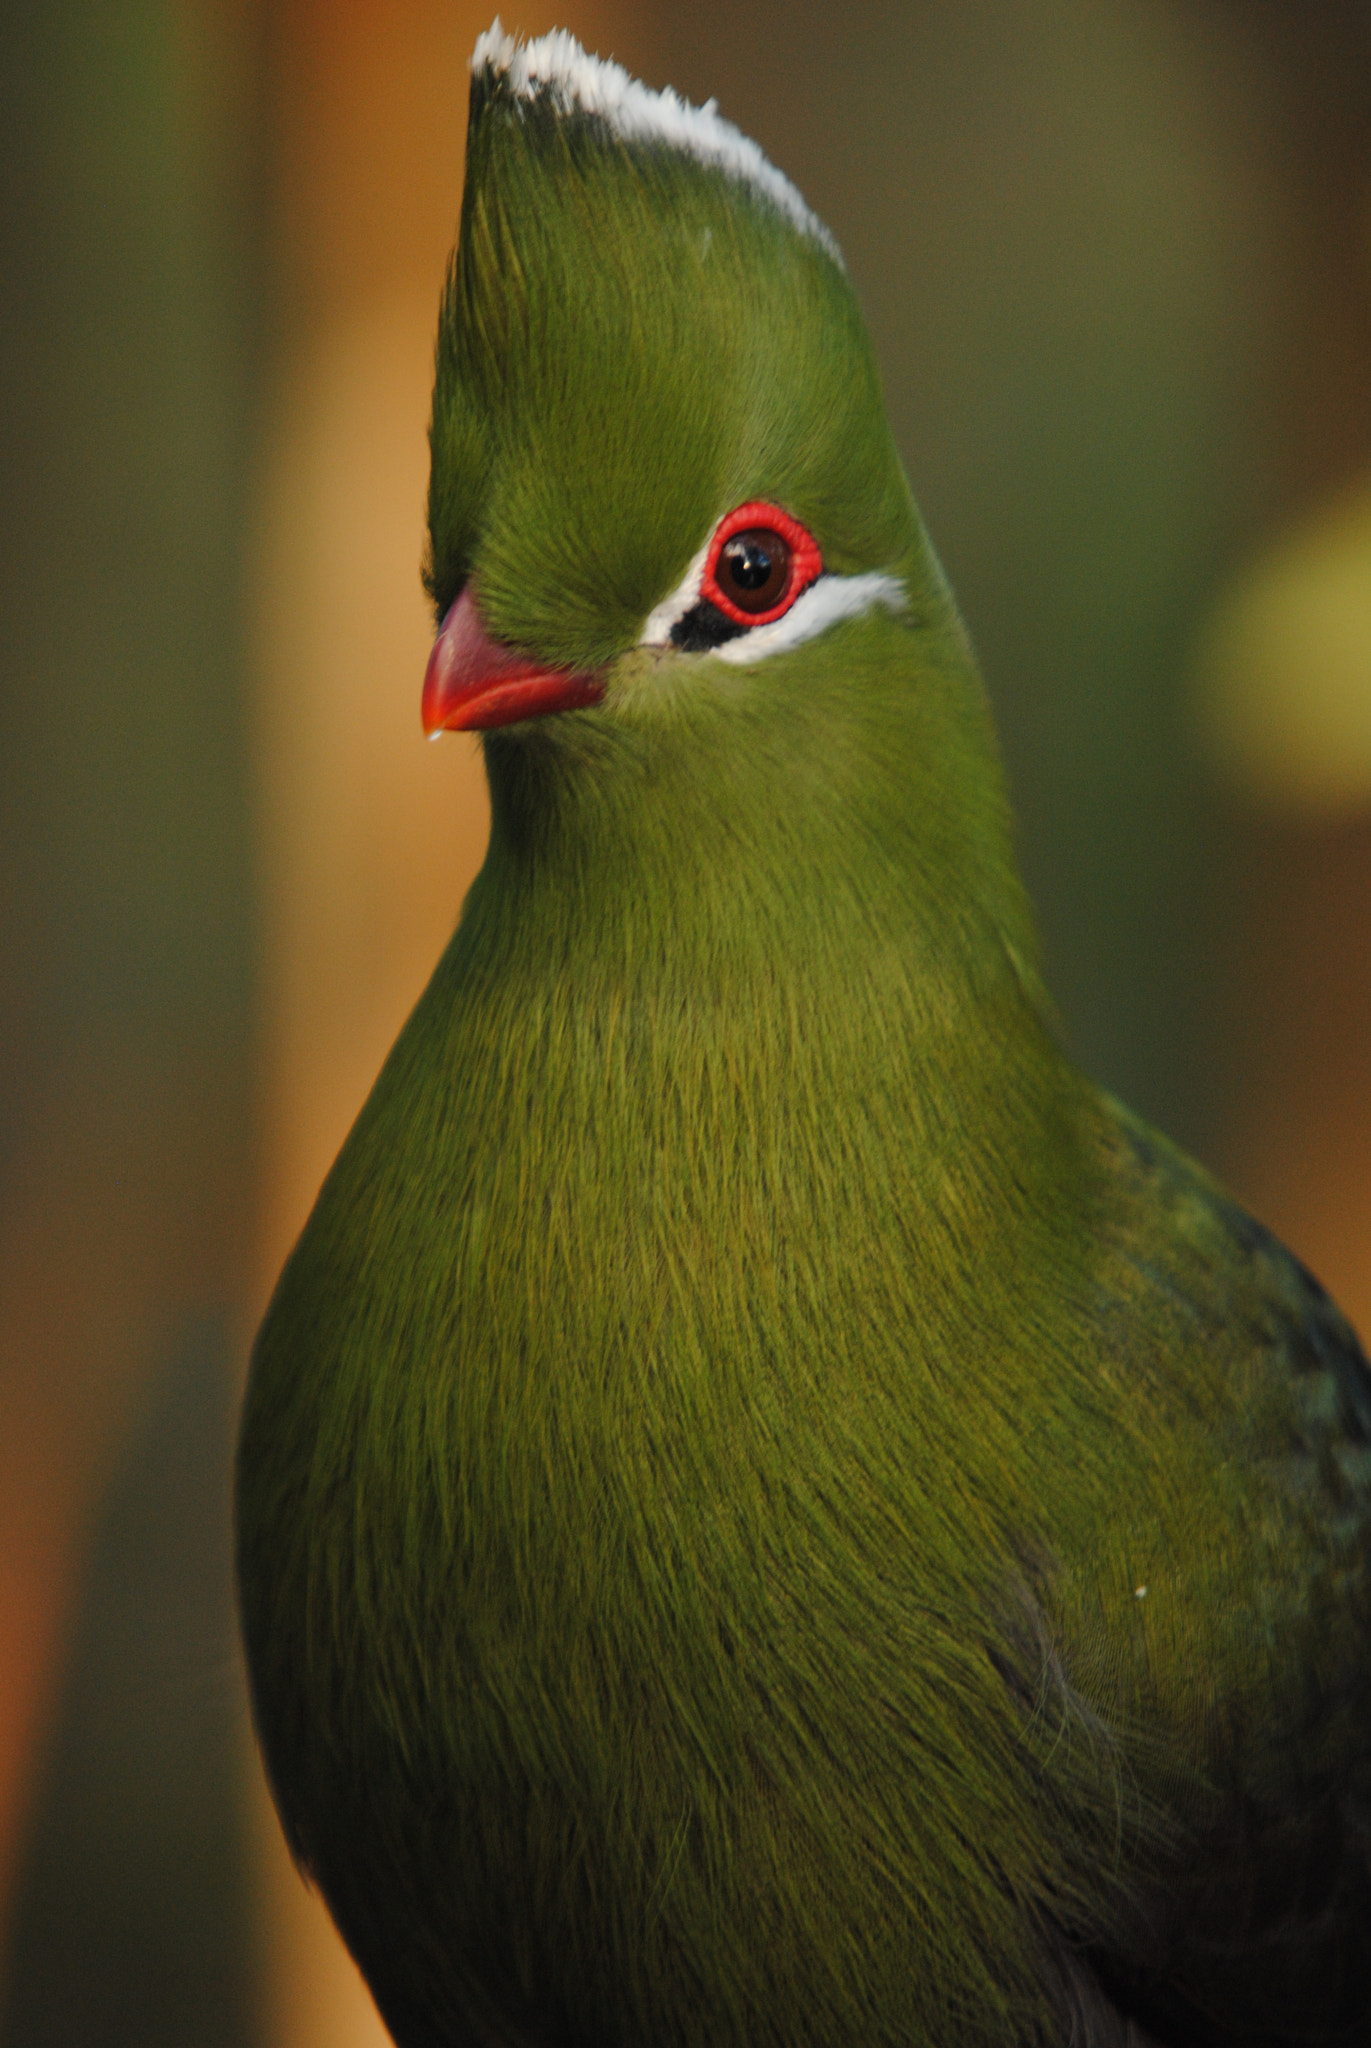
{"x": 825, "y": 602}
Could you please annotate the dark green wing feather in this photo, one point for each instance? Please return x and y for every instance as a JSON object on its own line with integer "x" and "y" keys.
{"x": 1261, "y": 1930}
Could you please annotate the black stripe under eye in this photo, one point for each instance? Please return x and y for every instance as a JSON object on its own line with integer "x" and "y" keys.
{"x": 704, "y": 626}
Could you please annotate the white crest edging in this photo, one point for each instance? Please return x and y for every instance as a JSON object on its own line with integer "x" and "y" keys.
{"x": 557, "y": 64}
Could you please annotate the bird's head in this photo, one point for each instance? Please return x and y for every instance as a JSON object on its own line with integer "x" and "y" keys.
{"x": 658, "y": 439}
{"x": 668, "y": 528}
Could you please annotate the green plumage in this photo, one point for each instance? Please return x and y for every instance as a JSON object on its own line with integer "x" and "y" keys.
{"x": 770, "y": 1512}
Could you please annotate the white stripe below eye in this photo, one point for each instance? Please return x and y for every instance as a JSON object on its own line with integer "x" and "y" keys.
{"x": 828, "y": 599}
{"x": 825, "y": 602}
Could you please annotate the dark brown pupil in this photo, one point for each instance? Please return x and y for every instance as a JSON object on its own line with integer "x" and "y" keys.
{"x": 753, "y": 569}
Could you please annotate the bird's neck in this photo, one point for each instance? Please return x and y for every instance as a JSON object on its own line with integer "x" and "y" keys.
{"x": 710, "y": 912}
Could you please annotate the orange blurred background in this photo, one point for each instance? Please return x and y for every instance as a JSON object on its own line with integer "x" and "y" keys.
{"x": 1116, "y": 255}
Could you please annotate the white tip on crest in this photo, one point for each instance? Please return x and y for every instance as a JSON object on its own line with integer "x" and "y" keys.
{"x": 557, "y": 65}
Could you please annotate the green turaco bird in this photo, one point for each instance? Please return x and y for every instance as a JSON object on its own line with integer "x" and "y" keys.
{"x": 771, "y": 1513}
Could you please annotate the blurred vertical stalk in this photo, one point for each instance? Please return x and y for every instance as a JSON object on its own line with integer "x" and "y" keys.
{"x": 1283, "y": 693}
{"x": 1284, "y": 679}
{"x": 127, "y": 355}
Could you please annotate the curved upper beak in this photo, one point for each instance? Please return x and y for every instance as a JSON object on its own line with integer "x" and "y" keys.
{"x": 473, "y": 681}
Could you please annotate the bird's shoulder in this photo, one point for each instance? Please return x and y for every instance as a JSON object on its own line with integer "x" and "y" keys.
{"x": 1174, "y": 1236}
{"x": 1250, "y": 1658}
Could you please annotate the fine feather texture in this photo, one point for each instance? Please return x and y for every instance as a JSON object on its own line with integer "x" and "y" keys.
{"x": 702, "y": 1458}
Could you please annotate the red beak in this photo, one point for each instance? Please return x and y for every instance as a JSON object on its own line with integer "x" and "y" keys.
{"x": 473, "y": 681}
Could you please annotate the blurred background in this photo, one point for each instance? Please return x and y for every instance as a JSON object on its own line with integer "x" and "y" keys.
{"x": 1116, "y": 256}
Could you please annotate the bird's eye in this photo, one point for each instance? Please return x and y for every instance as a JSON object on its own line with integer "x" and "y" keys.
{"x": 759, "y": 561}
{"x": 753, "y": 568}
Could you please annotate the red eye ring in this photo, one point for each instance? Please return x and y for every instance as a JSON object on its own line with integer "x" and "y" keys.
{"x": 757, "y": 516}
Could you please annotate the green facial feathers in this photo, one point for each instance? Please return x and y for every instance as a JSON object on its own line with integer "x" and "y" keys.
{"x": 770, "y": 1513}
